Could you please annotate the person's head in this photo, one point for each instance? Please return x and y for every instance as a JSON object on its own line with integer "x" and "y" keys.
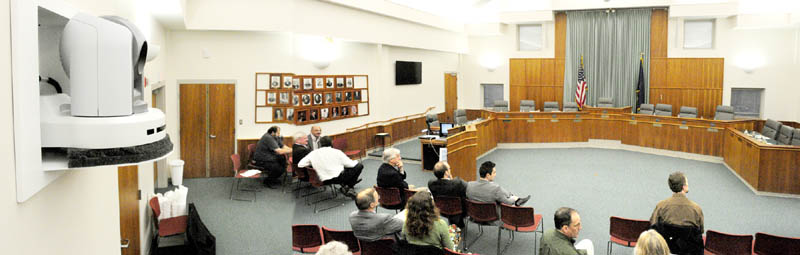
{"x": 678, "y": 182}
{"x": 421, "y": 214}
{"x": 300, "y": 138}
{"x": 274, "y": 130}
{"x": 487, "y": 171}
{"x": 367, "y": 199}
{"x": 651, "y": 243}
{"x": 442, "y": 170}
{"x": 567, "y": 221}
{"x": 391, "y": 156}
{"x": 316, "y": 131}
{"x": 334, "y": 248}
{"x": 325, "y": 141}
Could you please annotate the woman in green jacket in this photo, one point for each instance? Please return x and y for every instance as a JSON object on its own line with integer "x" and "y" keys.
{"x": 423, "y": 225}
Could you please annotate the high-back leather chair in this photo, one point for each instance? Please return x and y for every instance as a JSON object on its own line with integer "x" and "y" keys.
{"x": 796, "y": 137}
{"x": 571, "y": 107}
{"x": 648, "y": 109}
{"x": 605, "y": 102}
{"x": 663, "y": 110}
{"x": 500, "y": 106}
{"x": 460, "y": 116}
{"x": 785, "y": 135}
{"x": 432, "y": 120}
{"x": 527, "y": 105}
{"x": 771, "y": 128}
{"x": 550, "y": 106}
{"x": 724, "y": 112}
{"x": 688, "y": 112}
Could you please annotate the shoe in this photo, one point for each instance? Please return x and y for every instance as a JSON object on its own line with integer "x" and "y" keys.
{"x": 359, "y": 180}
{"x": 343, "y": 190}
{"x": 521, "y": 201}
{"x": 351, "y": 193}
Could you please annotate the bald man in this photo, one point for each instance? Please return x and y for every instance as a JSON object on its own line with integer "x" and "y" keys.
{"x": 313, "y": 138}
{"x": 367, "y": 224}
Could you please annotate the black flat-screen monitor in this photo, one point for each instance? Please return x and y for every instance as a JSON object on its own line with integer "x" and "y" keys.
{"x": 407, "y": 73}
{"x": 443, "y": 127}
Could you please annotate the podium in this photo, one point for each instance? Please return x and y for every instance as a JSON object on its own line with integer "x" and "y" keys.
{"x": 430, "y": 151}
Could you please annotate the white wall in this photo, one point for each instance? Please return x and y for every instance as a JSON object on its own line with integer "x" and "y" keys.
{"x": 777, "y": 46}
{"x": 238, "y": 56}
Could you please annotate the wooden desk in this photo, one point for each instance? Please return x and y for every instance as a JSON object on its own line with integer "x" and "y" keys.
{"x": 769, "y": 168}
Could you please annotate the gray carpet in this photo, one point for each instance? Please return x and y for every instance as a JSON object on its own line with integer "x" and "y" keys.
{"x": 598, "y": 183}
{"x": 410, "y": 149}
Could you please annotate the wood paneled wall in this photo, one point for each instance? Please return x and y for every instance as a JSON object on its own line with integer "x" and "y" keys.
{"x": 534, "y": 79}
{"x": 695, "y": 82}
{"x": 540, "y": 79}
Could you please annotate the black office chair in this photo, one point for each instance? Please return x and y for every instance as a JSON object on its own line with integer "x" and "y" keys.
{"x": 432, "y": 120}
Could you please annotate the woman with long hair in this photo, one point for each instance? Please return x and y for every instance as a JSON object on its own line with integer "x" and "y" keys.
{"x": 423, "y": 225}
{"x": 651, "y": 243}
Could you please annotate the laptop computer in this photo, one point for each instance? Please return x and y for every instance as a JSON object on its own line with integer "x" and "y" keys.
{"x": 443, "y": 127}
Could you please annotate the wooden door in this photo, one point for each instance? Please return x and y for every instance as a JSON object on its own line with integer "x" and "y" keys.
{"x": 221, "y": 123}
{"x": 128, "y": 179}
{"x": 193, "y": 129}
{"x": 450, "y": 95}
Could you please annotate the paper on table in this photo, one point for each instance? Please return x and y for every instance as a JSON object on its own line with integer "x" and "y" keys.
{"x": 249, "y": 173}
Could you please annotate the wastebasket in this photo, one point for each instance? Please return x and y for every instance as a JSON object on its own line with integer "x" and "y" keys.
{"x": 176, "y": 170}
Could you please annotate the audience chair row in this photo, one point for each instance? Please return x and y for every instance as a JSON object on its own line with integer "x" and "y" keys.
{"x": 307, "y": 238}
{"x": 513, "y": 218}
{"x": 626, "y": 232}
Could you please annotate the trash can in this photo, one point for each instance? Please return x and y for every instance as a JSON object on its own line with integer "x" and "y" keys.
{"x": 176, "y": 170}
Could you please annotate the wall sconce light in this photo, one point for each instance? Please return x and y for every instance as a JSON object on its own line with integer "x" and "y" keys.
{"x": 749, "y": 61}
{"x": 490, "y": 61}
{"x": 319, "y": 50}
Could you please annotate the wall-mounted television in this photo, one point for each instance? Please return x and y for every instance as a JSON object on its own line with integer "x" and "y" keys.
{"x": 407, "y": 73}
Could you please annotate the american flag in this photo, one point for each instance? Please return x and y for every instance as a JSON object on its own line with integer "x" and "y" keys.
{"x": 580, "y": 93}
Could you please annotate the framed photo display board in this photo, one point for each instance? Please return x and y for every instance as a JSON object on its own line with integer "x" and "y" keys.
{"x": 307, "y": 99}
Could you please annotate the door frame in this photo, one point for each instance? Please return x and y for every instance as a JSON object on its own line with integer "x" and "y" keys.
{"x": 449, "y": 114}
{"x": 209, "y": 81}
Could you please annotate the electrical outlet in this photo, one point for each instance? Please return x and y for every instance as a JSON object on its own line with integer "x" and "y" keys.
{"x": 241, "y": 121}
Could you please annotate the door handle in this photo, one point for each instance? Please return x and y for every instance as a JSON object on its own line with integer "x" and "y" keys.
{"x": 124, "y": 243}
{"x": 212, "y": 136}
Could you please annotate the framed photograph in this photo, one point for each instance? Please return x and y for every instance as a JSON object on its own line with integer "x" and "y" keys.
{"x": 357, "y": 95}
{"x": 275, "y": 82}
{"x": 348, "y": 82}
{"x": 328, "y": 98}
{"x": 296, "y": 100}
{"x": 323, "y": 113}
{"x": 290, "y": 114}
{"x": 261, "y": 98}
{"x": 296, "y": 83}
{"x": 363, "y": 95}
{"x": 283, "y": 98}
{"x": 271, "y": 98}
{"x": 339, "y": 82}
{"x": 313, "y": 114}
{"x": 307, "y": 83}
{"x": 287, "y": 82}
{"x": 317, "y": 98}
{"x": 338, "y": 97}
{"x": 354, "y": 110}
{"x": 319, "y": 83}
{"x": 329, "y": 82}
{"x": 345, "y": 110}
{"x": 348, "y": 96}
{"x": 278, "y": 116}
{"x": 301, "y": 116}
{"x": 306, "y": 99}
{"x": 334, "y": 112}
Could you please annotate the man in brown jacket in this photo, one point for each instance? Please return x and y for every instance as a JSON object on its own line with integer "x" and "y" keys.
{"x": 679, "y": 219}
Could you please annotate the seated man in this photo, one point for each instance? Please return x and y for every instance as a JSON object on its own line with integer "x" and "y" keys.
{"x": 333, "y": 167}
{"x": 445, "y": 185}
{"x": 486, "y": 191}
{"x": 561, "y": 240}
{"x": 270, "y": 155}
{"x": 391, "y": 173}
{"x": 367, "y": 224}
{"x": 300, "y": 149}
{"x": 677, "y": 214}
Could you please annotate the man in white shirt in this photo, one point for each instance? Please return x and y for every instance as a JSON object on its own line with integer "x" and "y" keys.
{"x": 333, "y": 166}
{"x": 313, "y": 138}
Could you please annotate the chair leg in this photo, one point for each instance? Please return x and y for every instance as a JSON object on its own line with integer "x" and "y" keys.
{"x": 608, "y": 248}
{"x": 480, "y": 233}
{"x": 233, "y": 185}
{"x": 499, "y": 234}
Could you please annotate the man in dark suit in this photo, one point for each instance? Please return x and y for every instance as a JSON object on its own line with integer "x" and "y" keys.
{"x": 391, "y": 173}
{"x": 445, "y": 185}
{"x": 367, "y": 224}
{"x": 299, "y": 150}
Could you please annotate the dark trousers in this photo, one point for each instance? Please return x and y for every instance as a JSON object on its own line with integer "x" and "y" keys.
{"x": 348, "y": 177}
{"x": 270, "y": 169}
